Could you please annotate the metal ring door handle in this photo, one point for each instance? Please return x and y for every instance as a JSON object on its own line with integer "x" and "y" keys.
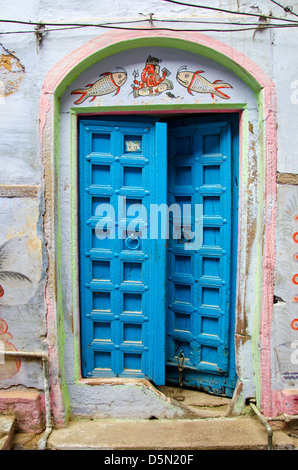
{"x": 132, "y": 242}
{"x": 184, "y": 237}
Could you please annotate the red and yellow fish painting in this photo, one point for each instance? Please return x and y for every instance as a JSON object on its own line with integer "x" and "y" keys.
{"x": 108, "y": 82}
{"x": 193, "y": 81}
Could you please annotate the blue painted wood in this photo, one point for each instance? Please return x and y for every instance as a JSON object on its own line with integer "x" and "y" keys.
{"x": 122, "y": 165}
{"x": 201, "y": 281}
{"x": 125, "y": 285}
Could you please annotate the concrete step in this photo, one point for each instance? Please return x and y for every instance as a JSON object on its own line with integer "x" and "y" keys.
{"x": 7, "y": 429}
{"x": 235, "y": 433}
{"x": 196, "y": 404}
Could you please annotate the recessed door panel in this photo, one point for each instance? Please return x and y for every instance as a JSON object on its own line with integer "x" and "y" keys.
{"x": 119, "y": 178}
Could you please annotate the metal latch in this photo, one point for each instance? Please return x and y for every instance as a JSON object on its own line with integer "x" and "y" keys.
{"x": 180, "y": 366}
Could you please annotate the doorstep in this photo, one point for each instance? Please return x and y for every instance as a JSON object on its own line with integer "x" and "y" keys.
{"x": 235, "y": 433}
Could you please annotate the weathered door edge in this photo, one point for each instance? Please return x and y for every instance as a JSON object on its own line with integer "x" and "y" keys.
{"x": 61, "y": 75}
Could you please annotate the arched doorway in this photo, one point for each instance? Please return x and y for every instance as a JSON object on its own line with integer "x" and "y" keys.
{"x": 55, "y": 85}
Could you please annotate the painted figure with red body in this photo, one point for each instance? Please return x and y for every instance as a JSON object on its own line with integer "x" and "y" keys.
{"x": 150, "y": 75}
{"x": 151, "y": 83}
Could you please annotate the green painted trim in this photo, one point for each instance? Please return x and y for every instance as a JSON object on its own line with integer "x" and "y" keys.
{"x": 149, "y": 109}
{"x": 158, "y": 42}
{"x": 61, "y": 336}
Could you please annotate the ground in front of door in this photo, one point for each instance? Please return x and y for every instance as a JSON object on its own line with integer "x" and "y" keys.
{"x": 207, "y": 425}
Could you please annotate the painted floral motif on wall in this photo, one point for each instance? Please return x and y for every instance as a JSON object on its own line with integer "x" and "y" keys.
{"x": 9, "y": 366}
{"x": 14, "y": 287}
{"x": 286, "y": 300}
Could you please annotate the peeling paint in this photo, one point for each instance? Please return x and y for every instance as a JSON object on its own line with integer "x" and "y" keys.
{"x": 19, "y": 190}
{"x": 287, "y": 178}
{"x": 11, "y": 73}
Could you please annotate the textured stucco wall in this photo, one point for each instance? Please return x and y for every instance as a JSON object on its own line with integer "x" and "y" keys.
{"x": 24, "y": 64}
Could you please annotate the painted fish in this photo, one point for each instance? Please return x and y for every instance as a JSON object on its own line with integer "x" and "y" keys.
{"x": 107, "y": 83}
{"x": 195, "y": 82}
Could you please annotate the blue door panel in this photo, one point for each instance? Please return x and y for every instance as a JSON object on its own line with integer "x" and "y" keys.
{"x": 199, "y": 298}
{"x": 119, "y": 176}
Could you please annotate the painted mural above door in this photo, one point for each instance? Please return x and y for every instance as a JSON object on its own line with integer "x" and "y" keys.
{"x": 155, "y": 75}
{"x": 152, "y": 82}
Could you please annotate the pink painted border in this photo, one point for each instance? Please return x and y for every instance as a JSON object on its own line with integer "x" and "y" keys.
{"x": 268, "y": 404}
{"x": 60, "y": 71}
{"x": 65, "y": 65}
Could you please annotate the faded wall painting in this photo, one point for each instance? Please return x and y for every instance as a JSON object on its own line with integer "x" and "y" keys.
{"x": 9, "y": 366}
{"x": 9, "y": 279}
{"x": 20, "y": 274}
{"x": 10, "y": 283}
{"x": 285, "y": 318}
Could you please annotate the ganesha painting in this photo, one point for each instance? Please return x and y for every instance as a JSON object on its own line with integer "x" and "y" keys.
{"x": 152, "y": 82}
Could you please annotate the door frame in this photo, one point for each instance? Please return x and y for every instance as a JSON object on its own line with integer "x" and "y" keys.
{"x": 147, "y": 112}
{"x": 163, "y": 115}
{"x": 161, "y": 110}
{"x": 57, "y": 80}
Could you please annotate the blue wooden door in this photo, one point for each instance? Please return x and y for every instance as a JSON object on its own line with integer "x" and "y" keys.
{"x": 122, "y": 170}
{"x": 151, "y": 305}
{"x": 200, "y": 303}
